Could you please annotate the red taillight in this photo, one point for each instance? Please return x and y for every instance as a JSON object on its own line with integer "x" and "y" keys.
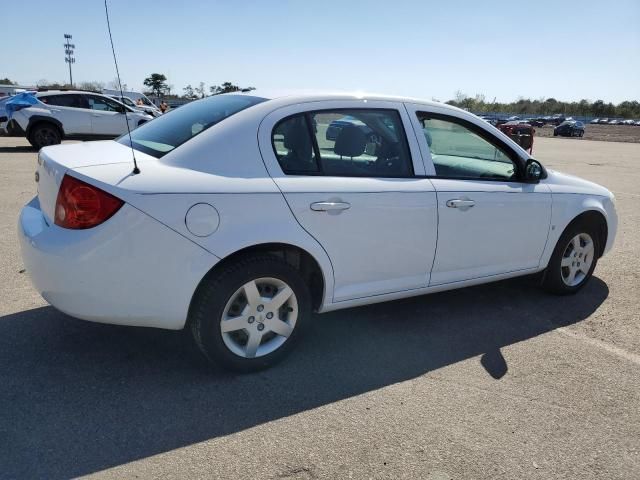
{"x": 80, "y": 205}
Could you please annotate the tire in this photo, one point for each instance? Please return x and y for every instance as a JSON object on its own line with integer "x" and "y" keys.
{"x": 43, "y": 135}
{"x": 566, "y": 258}
{"x": 226, "y": 293}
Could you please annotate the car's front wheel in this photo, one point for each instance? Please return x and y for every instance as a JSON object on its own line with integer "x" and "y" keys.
{"x": 573, "y": 260}
{"x": 250, "y": 314}
{"x": 43, "y": 135}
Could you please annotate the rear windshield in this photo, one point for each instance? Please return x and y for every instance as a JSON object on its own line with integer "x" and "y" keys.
{"x": 174, "y": 128}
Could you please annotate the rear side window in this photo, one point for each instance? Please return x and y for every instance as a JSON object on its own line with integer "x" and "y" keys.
{"x": 350, "y": 143}
{"x": 171, "y": 130}
{"x": 71, "y": 100}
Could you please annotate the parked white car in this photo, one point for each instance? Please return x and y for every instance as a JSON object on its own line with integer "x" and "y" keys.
{"x": 68, "y": 114}
{"x": 153, "y": 111}
{"x": 245, "y": 217}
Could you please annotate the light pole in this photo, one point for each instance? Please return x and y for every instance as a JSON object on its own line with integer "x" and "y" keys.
{"x": 69, "y": 58}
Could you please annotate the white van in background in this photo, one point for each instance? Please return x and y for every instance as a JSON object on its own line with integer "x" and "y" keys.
{"x": 148, "y": 106}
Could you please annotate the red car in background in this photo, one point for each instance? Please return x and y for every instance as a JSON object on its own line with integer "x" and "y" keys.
{"x": 520, "y": 132}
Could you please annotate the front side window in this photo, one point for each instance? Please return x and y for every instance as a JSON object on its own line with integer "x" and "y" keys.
{"x": 459, "y": 151}
{"x": 103, "y": 104}
{"x": 169, "y": 131}
{"x": 353, "y": 143}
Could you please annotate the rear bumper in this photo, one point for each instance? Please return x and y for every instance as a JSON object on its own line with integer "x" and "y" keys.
{"x": 131, "y": 270}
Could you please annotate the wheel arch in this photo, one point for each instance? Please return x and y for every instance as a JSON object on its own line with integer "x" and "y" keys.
{"x": 35, "y": 120}
{"x": 299, "y": 258}
{"x": 596, "y": 217}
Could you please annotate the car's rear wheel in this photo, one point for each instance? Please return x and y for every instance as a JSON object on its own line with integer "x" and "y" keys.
{"x": 43, "y": 135}
{"x": 573, "y": 260}
{"x": 250, "y": 314}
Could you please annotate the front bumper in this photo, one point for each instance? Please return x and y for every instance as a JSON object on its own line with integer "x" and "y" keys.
{"x": 130, "y": 270}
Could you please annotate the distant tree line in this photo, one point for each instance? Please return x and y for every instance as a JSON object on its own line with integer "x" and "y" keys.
{"x": 548, "y": 106}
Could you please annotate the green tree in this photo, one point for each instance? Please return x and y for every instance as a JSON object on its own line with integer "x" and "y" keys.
{"x": 94, "y": 86}
{"x": 6, "y": 81}
{"x": 200, "y": 90}
{"x": 189, "y": 92}
{"x": 227, "y": 87}
{"x": 157, "y": 82}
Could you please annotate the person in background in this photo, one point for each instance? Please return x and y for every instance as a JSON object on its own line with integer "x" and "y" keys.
{"x": 164, "y": 107}
{"x": 139, "y": 102}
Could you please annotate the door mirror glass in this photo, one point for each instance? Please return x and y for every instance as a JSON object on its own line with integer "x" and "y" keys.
{"x": 533, "y": 171}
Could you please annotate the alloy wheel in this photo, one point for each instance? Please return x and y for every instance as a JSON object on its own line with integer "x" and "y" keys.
{"x": 46, "y": 136}
{"x": 577, "y": 259}
{"x": 259, "y": 317}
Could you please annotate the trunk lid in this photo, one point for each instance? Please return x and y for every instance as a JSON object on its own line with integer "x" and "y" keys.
{"x": 55, "y": 161}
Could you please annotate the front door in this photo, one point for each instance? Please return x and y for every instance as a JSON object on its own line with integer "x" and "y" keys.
{"x": 489, "y": 222}
{"x": 347, "y": 173}
{"x": 107, "y": 117}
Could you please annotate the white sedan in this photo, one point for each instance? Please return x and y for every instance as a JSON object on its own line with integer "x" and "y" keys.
{"x": 246, "y": 216}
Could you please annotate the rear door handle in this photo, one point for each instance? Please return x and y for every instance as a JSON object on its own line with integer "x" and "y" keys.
{"x": 461, "y": 203}
{"x": 329, "y": 206}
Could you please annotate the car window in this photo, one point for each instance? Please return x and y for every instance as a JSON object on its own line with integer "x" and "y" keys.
{"x": 69, "y": 100}
{"x": 458, "y": 151}
{"x": 362, "y": 143}
{"x": 293, "y": 146}
{"x": 167, "y": 132}
{"x": 103, "y": 104}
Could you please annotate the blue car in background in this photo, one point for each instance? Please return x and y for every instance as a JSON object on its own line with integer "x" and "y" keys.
{"x": 335, "y": 127}
{"x": 3, "y": 114}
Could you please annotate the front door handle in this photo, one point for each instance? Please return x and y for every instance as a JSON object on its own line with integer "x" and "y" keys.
{"x": 461, "y": 203}
{"x": 329, "y": 206}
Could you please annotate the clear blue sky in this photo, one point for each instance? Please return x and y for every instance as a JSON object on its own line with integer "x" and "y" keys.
{"x": 569, "y": 49}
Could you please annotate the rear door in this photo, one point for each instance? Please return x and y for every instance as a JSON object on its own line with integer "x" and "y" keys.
{"x": 72, "y": 110}
{"x": 347, "y": 170}
{"x": 107, "y": 117}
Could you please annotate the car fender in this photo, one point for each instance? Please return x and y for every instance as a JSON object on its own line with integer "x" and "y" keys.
{"x": 566, "y": 207}
{"x": 231, "y": 230}
{"x": 34, "y": 119}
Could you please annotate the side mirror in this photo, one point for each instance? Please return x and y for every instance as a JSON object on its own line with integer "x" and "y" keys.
{"x": 533, "y": 171}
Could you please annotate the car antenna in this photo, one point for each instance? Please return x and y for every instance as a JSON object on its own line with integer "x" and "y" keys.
{"x": 136, "y": 170}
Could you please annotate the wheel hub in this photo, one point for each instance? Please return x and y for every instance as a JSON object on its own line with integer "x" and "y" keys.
{"x": 259, "y": 317}
{"x": 577, "y": 259}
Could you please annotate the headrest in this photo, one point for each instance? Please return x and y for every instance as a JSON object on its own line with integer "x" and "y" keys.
{"x": 296, "y": 139}
{"x": 351, "y": 142}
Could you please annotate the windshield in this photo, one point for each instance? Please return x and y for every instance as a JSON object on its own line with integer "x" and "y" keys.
{"x": 171, "y": 130}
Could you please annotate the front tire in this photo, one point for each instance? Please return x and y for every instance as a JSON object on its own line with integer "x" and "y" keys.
{"x": 249, "y": 315}
{"x": 43, "y": 135}
{"x": 573, "y": 260}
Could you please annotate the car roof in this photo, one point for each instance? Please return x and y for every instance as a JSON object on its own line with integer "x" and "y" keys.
{"x": 303, "y": 96}
{"x": 64, "y": 92}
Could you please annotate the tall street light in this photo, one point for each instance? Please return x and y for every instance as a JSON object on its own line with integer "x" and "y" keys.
{"x": 69, "y": 58}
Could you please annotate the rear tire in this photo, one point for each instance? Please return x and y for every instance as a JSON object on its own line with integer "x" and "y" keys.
{"x": 573, "y": 260}
{"x": 235, "y": 318}
{"x": 43, "y": 135}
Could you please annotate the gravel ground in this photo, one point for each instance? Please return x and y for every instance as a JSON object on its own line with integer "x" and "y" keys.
{"x": 605, "y": 133}
{"x": 497, "y": 381}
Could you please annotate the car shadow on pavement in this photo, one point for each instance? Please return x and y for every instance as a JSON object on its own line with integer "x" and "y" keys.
{"x": 17, "y": 149}
{"x": 78, "y": 397}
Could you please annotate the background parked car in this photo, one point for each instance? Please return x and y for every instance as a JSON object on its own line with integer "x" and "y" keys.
{"x": 520, "y": 132}
{"x": 569, "y": 128}
{"x": 335, "y": 127}
{"x": 48, "y": 117}
{"x": 154, "y": 112}
{"x": 594, "y": 121}
{"x": 603, "y": 121}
